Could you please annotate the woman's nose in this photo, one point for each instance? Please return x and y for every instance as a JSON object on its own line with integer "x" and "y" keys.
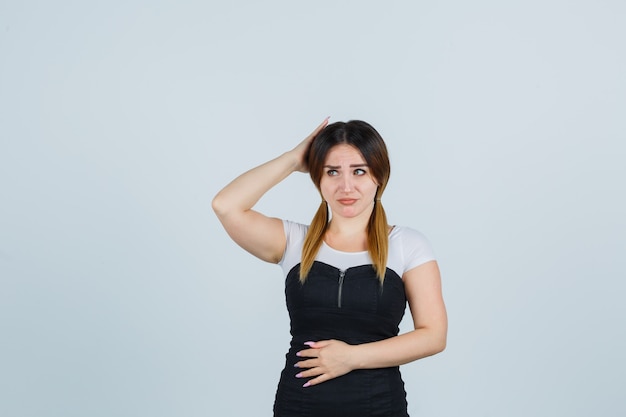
{"x": 347, "y": 183}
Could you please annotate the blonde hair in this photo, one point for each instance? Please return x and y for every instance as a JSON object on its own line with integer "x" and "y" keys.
{"x": 370, "y": 144}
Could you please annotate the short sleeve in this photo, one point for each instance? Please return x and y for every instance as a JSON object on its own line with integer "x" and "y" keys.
{"x": 294, "y": 234}
{"x": 416, "y": 249}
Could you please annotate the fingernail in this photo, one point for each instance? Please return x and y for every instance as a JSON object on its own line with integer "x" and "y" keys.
{"x": 309, "y": 343}
{"x": 306, "y": 385}
{"x": 295, "y": 365}
{"x": 299, "y": 375}
{"x": 297, "y": 353}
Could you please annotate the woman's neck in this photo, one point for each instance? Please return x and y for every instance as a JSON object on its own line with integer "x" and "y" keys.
{"x": 346, "y": 228}
{"x": 347, "y": 234}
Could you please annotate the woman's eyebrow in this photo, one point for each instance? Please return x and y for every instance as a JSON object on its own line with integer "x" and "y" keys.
{"x": 339, "y": 166}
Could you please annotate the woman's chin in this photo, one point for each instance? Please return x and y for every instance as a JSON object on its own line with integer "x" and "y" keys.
{"x": 347, "y": 212}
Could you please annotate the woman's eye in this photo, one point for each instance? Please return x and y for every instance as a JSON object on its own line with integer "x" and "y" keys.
{"x": 359, "y": 171}
{"x": 332, "y": 172}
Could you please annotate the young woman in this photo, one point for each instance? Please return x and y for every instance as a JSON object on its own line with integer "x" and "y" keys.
{"x": 349, "y": 276}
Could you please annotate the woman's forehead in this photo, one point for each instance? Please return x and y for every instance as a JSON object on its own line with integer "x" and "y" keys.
{"x": 344, "y": 154}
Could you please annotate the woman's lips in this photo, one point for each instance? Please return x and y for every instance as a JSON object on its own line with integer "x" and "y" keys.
{"x": 347, "y": 201}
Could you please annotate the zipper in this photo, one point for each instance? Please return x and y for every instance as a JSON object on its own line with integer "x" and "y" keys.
{"x": 342, "y": 275}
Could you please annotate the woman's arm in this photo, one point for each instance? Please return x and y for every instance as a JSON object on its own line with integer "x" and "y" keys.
{"x": 260, "y": 235}
{"x": 333, "y": 358}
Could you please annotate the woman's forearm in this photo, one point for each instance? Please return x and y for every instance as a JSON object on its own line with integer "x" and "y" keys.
{"x": 399, "y": 350}
{"x": 247, "y": 189}
{"x": 328, "y": 359}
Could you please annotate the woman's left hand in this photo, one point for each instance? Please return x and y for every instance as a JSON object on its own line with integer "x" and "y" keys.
{"x": 328, "y": 359}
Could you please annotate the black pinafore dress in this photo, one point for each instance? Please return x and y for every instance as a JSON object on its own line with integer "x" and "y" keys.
{"x": 349, "y": 305}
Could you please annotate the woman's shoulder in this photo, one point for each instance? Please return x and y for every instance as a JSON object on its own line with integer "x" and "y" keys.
{"x": 406, "y": 233}
{"x": 410, "y": 247}
{"x": 295, "y": 229}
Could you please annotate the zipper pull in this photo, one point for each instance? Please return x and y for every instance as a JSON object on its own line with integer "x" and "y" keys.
{"x": 342, "y": 274}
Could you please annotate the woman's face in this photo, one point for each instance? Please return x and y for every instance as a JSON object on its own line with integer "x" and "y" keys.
{"x": 347, "y": 183}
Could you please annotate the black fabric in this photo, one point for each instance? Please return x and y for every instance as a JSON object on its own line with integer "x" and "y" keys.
{"x": 356, "y": 309}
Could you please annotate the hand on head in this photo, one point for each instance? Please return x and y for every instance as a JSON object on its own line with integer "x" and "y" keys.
{"x": 302, "y": 149}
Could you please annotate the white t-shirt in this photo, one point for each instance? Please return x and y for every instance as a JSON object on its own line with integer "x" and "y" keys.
{"x": 408, "y": 248}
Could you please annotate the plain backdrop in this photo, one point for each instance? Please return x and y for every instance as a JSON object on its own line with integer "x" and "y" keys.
{"x": 120, "y": 293}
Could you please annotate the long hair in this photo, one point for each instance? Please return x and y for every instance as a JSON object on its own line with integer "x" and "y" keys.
{"x": 368, "y": 141}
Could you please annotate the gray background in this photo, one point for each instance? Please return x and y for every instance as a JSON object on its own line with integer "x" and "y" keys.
{"x": 120, "y": 294}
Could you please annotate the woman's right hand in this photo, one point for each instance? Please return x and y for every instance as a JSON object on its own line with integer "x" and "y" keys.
{"x": 300, "y": 151}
